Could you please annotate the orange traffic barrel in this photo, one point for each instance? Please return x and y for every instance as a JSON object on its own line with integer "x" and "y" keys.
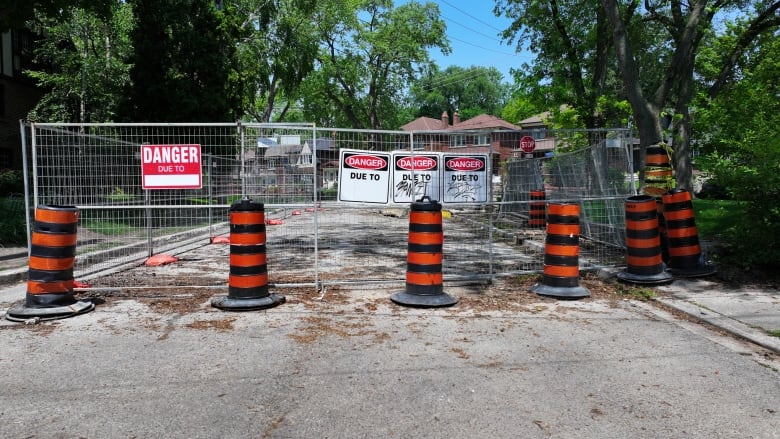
{"x": 248, "y": 277}
{"x": 561, "y": 276}
{"x": 644, "y": 263}
{"x": 50, "y": 275}
{"x": 536, "y": 214}
{"x": 685, "y": 257}
{"x": 424, "y": 278}
{"x": 659, "y": 176}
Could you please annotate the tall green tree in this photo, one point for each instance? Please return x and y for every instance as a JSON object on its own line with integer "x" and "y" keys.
{"x": 471, "y": 91}
{"x": 741, "y": 151}
{"x": 17, "y": 13}
{"x": 275, "y": 51}
{"x": 573, "y": 66}
{"x": 369, "y": 52}
{"x": 85, "y": 59}
{"x": 182, "y": 64}
{"x": 682, "y": 26}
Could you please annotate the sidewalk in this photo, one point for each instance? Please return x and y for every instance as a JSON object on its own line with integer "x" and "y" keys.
{"x": 746, "y": 312}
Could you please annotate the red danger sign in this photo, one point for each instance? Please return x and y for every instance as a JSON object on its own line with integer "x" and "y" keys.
{"x": 171, "y": 167}
{"x": 465, "y": 164}
{"x": 527, "y": 144}
{"x": 418, "y": 164}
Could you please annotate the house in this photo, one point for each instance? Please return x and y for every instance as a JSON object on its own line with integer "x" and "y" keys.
{"x": 18, "y": 93}
{"x": 483, "y": 134}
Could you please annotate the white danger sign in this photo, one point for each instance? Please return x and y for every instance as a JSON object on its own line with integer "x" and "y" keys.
{"x": 364, "y": 176}
{"x": 466, "y": 178}
{"x": 415, "y": 176}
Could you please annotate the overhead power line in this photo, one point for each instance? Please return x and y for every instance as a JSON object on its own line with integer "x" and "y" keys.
{"x": 469, "y": 15}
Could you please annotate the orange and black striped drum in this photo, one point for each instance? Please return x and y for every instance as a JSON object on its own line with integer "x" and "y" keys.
{"x": 248, "y": 275}
{"x": 424, "y": 278}
{"x": 659, "y": 176}
{"x": 644, "y": 262}
{"x": 561, "y": 275}
{"x": 561, "y": 246}
{"x": 536, "y": 210}
{"x": 643, "y": 241}
{"x": 52, "y": 256}
{"x": 425, "y": 249}
{"x": 684, "y": 248}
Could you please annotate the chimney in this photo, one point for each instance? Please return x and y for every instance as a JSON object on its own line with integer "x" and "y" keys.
{"x": 456, "y": 118}
{"x": 445, "y": 120}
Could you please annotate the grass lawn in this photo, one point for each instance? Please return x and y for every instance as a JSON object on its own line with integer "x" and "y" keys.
{"x": 714, "y": 217}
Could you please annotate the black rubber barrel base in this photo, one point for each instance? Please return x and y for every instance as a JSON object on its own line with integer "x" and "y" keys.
{"x": 699, "y": 270}
{"x": 575, "y": 292}
{"x": 23, "y": 313}
{"x": 645, "y": 279}
{"x": 424, "y": 300}
{"x": 228, "y": 303}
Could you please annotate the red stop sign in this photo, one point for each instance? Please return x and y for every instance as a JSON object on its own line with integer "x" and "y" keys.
{"x": 527, "y": 144}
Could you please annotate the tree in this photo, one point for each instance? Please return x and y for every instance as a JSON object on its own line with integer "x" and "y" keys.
{"x": 369, "y": 52}
{"x": 86, "y": 66}
{"x": 182, "y": 64}
{"x": 275, "y": 51}
{"x": 16, "y": 13}
{"x": 684, "y": 26}
{"x": 742, "y": 149}
{"x": 471, "y": 91}
{"x": 573, "y": 64}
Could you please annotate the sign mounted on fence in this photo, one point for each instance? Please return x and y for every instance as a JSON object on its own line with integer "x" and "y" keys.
{"x": 364, "y": 176}
{"x": 415, "y": 176}
{"x": 466, "y": 178}
{"x": 171, "y": 167}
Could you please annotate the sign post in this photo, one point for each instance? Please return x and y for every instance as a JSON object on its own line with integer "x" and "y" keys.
{"x": 171, "y": 167}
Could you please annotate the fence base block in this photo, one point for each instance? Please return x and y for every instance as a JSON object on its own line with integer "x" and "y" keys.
{"x": 232, "y": 304}
{"x": 21, "y": 313}
{"x": 424, "y": 300}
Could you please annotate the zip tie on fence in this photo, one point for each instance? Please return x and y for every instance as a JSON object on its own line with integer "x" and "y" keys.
{"x": 424, "y": 279}
{"x": 248, "y": 278}
{"x": 50, "y": 280}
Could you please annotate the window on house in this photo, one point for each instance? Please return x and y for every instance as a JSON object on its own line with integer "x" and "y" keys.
{"x": 457, "y": 140}
{"x": 482, "y": 139}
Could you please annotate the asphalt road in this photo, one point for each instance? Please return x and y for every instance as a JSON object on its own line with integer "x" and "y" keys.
{"x": 348, "y": 363}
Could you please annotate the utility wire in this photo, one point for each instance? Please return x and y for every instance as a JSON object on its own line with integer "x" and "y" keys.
{"x": 469, "y": 15}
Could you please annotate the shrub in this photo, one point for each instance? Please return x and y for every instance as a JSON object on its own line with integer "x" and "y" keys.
{"x": 11, "y": 182}
{"x": 13, "y": 224}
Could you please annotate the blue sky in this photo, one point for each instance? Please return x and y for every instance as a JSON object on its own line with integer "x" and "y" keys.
{"x": 473, "y": 30}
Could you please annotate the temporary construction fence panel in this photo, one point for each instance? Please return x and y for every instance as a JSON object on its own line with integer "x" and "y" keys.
{"x": 293, "y": 169}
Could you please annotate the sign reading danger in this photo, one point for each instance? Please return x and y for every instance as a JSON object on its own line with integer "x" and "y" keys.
{"x": 171, "y": 167}
{"x": 364, "y": 176}
{"x": 415, "y": 176}
{"x": 466, "y": 178}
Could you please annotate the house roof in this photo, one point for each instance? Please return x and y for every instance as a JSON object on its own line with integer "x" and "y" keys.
{"x": 423, "y": 124}
{"x": 484, "y": 121}
{"x": 481, "y": 122}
